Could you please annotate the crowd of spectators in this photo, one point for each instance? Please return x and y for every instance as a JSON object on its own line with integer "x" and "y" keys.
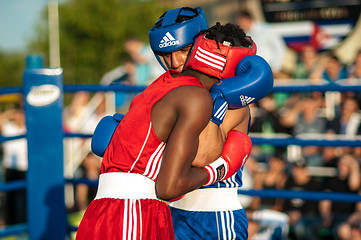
{"x": 332, "y": 115}
{"x": 269, "y": 166}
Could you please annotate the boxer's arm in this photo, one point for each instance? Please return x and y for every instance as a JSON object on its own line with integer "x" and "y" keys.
{"x": 178, "y": 121}
{"x": 212, "y": 137}
{"x": 186, "y": 119}
{"x": 236, "y": 119}
{"x": 211, "y": 142}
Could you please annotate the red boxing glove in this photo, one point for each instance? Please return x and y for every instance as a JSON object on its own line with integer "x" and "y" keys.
{"x": 236, "y": 150}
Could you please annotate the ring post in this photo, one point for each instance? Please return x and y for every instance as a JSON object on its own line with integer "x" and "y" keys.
{"x": 43, "y": 97}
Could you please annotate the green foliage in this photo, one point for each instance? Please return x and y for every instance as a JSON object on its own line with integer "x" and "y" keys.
{"x": 92, "y": 34}
{"x": 11, "y": 69}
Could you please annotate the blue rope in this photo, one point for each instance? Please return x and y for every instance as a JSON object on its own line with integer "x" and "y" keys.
{"x": 12, "y": 186}
{"x": 306, "y": 142}
{"x": 317, "y": 88}
{"x": 77, "y": 135}
{"x": 305, "y": 195}
{"x": 89, "y": 182}
{"x": 14, "y": 230}
{"x": 4, "y": 139}
{"x": 103, "y": 88}
{"x": 285, "y": 194}
{"x": 10, "y": 90}
{"x": 340, "y": 86}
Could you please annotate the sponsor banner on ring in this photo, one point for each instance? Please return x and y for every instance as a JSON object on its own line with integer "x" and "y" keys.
{"x": 321, "y": 23}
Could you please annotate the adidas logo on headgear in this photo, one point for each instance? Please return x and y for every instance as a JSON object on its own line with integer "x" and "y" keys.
{"x": 245, "y": 100}
{"x": 168, "y": 40}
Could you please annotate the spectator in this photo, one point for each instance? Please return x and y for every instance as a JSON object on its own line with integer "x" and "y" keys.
{"x": 15, "y": 164}
{"x": 348, "y": 122}
{"x": 270, "y": 44}
{"x": 123, "y": 74}
{"x": 81, "y": 116}
{"x": 147, "y": 68}
{"x": 331, "y": 69}
{"x": 351, "y": 229}
{"x": 347, "y": 181}
{"x": 265, "y": 120}
{"x": 329, "y": 157}
{"x": 305, "y": 117}
{"x": 268, "y": 224}
{"x": 265, "y": 219}
{"x": 273, "y": 178}
{"x": 354, "y": 73}
{"x": 249, "y": 174}
{"x": 307, "y": 62}
{"x": 303, "y": 215}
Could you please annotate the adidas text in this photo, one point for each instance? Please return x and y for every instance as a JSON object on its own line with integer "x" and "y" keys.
{"x": 167, "y": 44}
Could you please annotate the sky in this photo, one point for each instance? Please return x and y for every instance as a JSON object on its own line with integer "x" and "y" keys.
{"x": 17, "y": 22}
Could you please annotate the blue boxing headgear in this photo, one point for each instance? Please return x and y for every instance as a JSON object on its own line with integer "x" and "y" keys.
{"x": 176, "y": 29}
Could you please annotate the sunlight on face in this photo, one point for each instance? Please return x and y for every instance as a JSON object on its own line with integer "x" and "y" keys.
{"x": 176, "y": 60}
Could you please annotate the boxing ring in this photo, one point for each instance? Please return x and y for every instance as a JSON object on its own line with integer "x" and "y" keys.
{"x": 43, "y": 92}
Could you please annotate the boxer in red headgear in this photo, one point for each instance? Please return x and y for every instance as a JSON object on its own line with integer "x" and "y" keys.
{"x": 219, "y": 59}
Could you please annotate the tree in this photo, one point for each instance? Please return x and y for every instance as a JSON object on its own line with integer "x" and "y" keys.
{"x": 11, "y": 69}
{"x": 92, "y": 34}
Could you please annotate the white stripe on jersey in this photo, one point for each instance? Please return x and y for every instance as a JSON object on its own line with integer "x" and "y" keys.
{"x": 154, "y": 162}
{"x": 227, "y": 225}
{"x": 157, "y": 162}
{"x": 130, "y": 218}
{"x": 135, "y": 219}
{"x": 222, "y": 110}
{"x": 125, "y": 219}
{"x": 230, "y": 182}
{"x": 223, "y": 226}
{"x": 140, "y": 220}
{"x": 141, "y": 150}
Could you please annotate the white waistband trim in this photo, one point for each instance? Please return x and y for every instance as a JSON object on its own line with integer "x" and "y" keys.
{"x": 209, "y": 199}
{"x": 125, "y": 186}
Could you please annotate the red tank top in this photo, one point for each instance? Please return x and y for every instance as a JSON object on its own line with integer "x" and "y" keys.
{"x": 135, "y": 147}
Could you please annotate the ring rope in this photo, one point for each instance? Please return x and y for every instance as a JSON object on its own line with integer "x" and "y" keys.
{"x": 10, "y": 138}
{"x": 323, "y": 140}
{"x": 286, "y": 194}
{"x": 10, "y": 90}
{"x": 13, "y": 185}
{"x": 305, "y": 195}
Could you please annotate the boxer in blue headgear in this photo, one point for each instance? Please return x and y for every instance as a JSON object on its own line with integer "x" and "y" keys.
{"x": 211, "y": 212}
{"x": 172, "y": 35}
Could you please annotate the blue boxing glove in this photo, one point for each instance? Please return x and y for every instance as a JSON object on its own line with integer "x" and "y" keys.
{"x": 103, "y": 133}
{"x": 253, "y": 81}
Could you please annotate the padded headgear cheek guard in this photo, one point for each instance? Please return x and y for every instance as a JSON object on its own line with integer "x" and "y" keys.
{"x": 216, "y": 60}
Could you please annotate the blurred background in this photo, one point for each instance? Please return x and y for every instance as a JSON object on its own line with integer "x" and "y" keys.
{"x": 92, "y": 33}
{"x": 106, "y": 42}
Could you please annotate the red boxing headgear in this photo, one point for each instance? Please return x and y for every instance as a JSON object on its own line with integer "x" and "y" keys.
{"x": 217, "y": 60}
